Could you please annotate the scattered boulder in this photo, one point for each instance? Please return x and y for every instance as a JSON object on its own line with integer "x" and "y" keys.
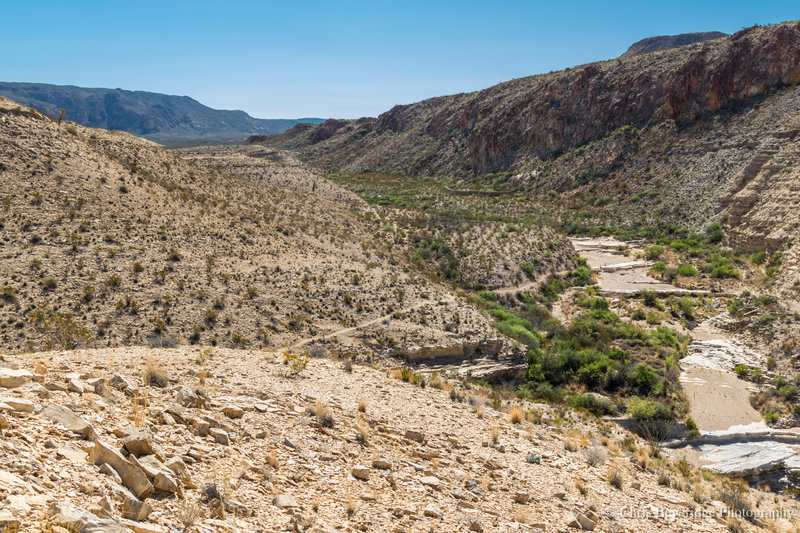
{"x": 134, "y": 509}
{"x": 382, "y": 463}
{"x": 132, "y": 476}
{"x": 430, "y": 481}
{"x": 66, "y": 418}
{"x": 415, "y": 435}
{"x": 580, "y": 521}
{"x": 74, "y": 518}
{"x": 360, "y": 472}
{"x": 233, "y": 411}
{"x": 139, "y": 442}
{"x": 284, "y": 501}
{"x": 220, "y": 435}
{"x": 433, "y": 511}
{"x": 18, "y": 405}
{"x": 11, "y": 379}
{"x": 8, "y": 522}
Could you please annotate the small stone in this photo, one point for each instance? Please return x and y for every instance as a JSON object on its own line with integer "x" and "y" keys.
{"x": 220, "y": 435}
{"x": 289, "y": 444}
{"x": 164, "y": 482}
{"x": 134, "y": 509}
{"x": 73, "y": 518}
{"x": 11, "y": 379}
{"x": 284, "y": 501}
{"x": 580, "y": 521}
{"x": 79, "y": 386}
{"x": 382, "y": 463}
{"x": 522, "y": 497}
{"x": 72, "y": 454}
{"x": 18, "y": 405}
{"x": 430, "y": 481}
{"x": 187, "y": 398}
{"x": 233, "y": 411}
{"x": 433, "y": 511}
{"x": 413, "y": 434}
{"x": 360, "y": 472}
{"x": 201, "y": 427}
{"x": 3, "y": 422}
{"x": 138, "y": 441}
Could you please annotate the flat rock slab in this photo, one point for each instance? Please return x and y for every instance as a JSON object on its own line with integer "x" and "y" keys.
{"x": 66, "y": 418}
{"x": 11, "y": 379}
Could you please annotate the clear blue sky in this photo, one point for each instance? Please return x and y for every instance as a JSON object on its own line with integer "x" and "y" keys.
{"x": 335, "y": 58}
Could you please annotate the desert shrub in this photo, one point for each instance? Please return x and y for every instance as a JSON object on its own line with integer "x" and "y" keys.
{"x": 758, "y": 258}
{"x": 691, "y": 428}
{"x": 581, "y": 276}
{"x": 653, "y": 253}
{"x": 686, "y": 270}
{"x": 60, "y": 329}
{"x": 649, "y": 298}
{"x": 594, "y": 404}
{"x": 595, "y": 455}
{"x": 714, "y": 233}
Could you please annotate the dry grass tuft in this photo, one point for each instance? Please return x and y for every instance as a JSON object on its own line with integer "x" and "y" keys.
{"x": 516, "y": 416}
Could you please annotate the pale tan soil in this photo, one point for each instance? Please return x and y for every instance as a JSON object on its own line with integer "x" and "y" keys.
{"x": 718, "y": 400}
{"x": 313, "y": 464}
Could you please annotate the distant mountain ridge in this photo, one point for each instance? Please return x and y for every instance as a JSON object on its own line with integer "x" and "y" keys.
{"x": 664, "y": 42}
{"x": 155, "y": 116}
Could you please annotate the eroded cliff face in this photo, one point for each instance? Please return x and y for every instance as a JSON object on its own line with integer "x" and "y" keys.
{"x": 505, "y": 126}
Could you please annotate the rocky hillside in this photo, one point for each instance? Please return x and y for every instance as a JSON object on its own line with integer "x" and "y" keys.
{"x": 664, "y": 42}
{"x": 108, "y": 239}
{"x": 155, "y": 116}
{"x": 212, "y": 440}
{"x": 513, "y": 124}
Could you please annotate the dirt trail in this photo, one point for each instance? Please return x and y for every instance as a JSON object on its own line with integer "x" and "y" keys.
{"x": 364, "y": 324}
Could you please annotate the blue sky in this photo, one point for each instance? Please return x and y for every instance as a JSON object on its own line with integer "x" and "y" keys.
{"x": 336, "y": 58}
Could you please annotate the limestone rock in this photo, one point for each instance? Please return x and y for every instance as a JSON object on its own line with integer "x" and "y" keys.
{"x": 382, "y": 463}
{"x": 233, "y": 411}
{"x": 164, "y": 482}
{"x": 360, "y": 472}
{"x": 68, "y": 419}
{"x": 132, "y": 476}
{"x": 284, "y": 501}
{"x": 433, "y": 511}
{"x": 8, "y": 522}
{"x": 220, "y": 435}
{"x": 415, "y": 435}
{"x": 139, "y": 441}
{"x": 19, "y": 405}
{"x": 74, "y": 518}
{"x": 134, "y": 509}
{"x": 11, "y": 379}
{"x": 430, "y": 481}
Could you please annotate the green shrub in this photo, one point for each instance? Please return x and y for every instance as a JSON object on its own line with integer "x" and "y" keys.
{"x": 724, "y": 271}
{"x": 742, "y": 370}
{"x": 714, "y": 234}
{"x": 649, "y": 298}
{"x": 758, "y": 258}
{"x": 581, "y": 276}
{"x": 691, "y": 428}
{"x": 644, "y": 378}
{"x": 654, "y": 252}
{"x": 687, "y": 270}
{"x": 594, "y": 404}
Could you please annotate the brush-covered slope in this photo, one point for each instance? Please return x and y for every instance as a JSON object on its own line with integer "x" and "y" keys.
{"x": 159, "y": 117}
{"x": 664, "y": 42}
{"x": 108, "y": 239}
{"x": 507, "y": 126}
